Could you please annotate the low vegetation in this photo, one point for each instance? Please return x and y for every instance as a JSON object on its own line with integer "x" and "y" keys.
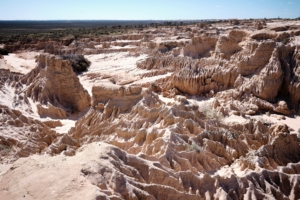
{"x": 79, "y": 62}
{"x": 112, "y": 80}
{"x": 193, "y": 147}
{"x": 4, "y": 150}
{"x": 3, "y": 51}
{"x": 209, "y": 113}
{"x": 27, "y": 31}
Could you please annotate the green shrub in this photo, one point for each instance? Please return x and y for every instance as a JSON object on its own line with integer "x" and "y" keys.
{"x": 193, "y": 147}
{"x": 207, "y": 110}
{"x": 112, "y": 80}
{"x": 79, "y": 62}
{"x": 4, "y": 149}
{"x": 3, "y": 51}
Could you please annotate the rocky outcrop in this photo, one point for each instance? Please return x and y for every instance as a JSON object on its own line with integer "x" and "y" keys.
{"x": 234, "y": 22}
{"x": 294, "y": 85}
{"x": 263, "y": 35}
{"x": 166, "y": 62}
{"x": 114, "y": 98}
{"x": 263, "y": 65}
{"x": 54, "y": 82}
{"x": 258, "y": 25}
{"x": 225, "y": 47}
{"x": 184, "y": 141}
{"x": 260, "y": 54}
{"x": 107, "y": 172}
{"x": 261, "y": 68}
{"x": 267, "y": 83}
{"x": 51, "y": 111}
{"x": 270, "y": 79}
{"x": 237, "y": 35}
{"x": 108, "y": 103}
{"x": 200, "y": 47}
{"x": 199, "y": 81}
{"x": 21, "y": 136}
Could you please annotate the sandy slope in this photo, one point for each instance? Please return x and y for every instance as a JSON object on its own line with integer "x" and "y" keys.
{"x": 21, "y": 62}
{"x": 293, "y": 122}
{"x": 57, "y": 177}
{"x": 118, "y": 68}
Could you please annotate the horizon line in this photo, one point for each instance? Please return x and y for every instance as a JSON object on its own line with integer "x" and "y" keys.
{"x": 139, "y": 19}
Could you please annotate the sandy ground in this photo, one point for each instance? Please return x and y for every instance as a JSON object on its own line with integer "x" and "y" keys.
{"x": 125, "y": 47}
{"x": 297, "y": 40}
{"x": 127, "y": 41}
{"x": 171, "y": 39}
{"x": 165, "y": 99}
{"x": 22, "y": 62}
{"x": 105, "y": 69}
{"x": 292, "y": 122}
{"x": 7, "y": 96}
{"x": 119, "y": 68}
{"x": 285, "y": 23}
{"x": 235, "y": 118}
{"x": 66, "y": 125}
{"x": 57, "y": 177}
{"x": 151, "y": 79}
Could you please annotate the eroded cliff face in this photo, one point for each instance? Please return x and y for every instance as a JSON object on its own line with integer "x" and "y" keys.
{"x": 176, "y": 123}
{"x": 294, "y": 72}
{"x": 178, "y": 148}
{"x": 22, "y": 136}
{"x": 186, "y": 141}
{"x": 54, "y": 84}
{"x": 264, "y": 69}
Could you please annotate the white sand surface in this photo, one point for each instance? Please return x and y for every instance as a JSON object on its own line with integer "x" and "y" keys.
{"x": 292, "y": 122}
{"x": 166, "y": 100}
{"x": 7, "y": 95}
{"x": 283, "y": 23}
{"x": 201, "y": 101}
{"x": 125, "y": 47}
{"x": 7, "y": 98}
{"x": 53, "y": 177}
{"x": 98, "y": 46}
{"x": 4, "y": 168}
{"x": 296, "y": 41}
{"x": 66, "y": 125}
{"x": 127, "y": 41}
{"x": 21, "y": 62}
{"x": 152, "y": 79}
{"x": 235, "y": 118}
{"x": 170, "y": 39}
{"x": 119, "y": 68}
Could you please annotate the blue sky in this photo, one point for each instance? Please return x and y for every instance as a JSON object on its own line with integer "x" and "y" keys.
{"x": 146, "y": 9}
